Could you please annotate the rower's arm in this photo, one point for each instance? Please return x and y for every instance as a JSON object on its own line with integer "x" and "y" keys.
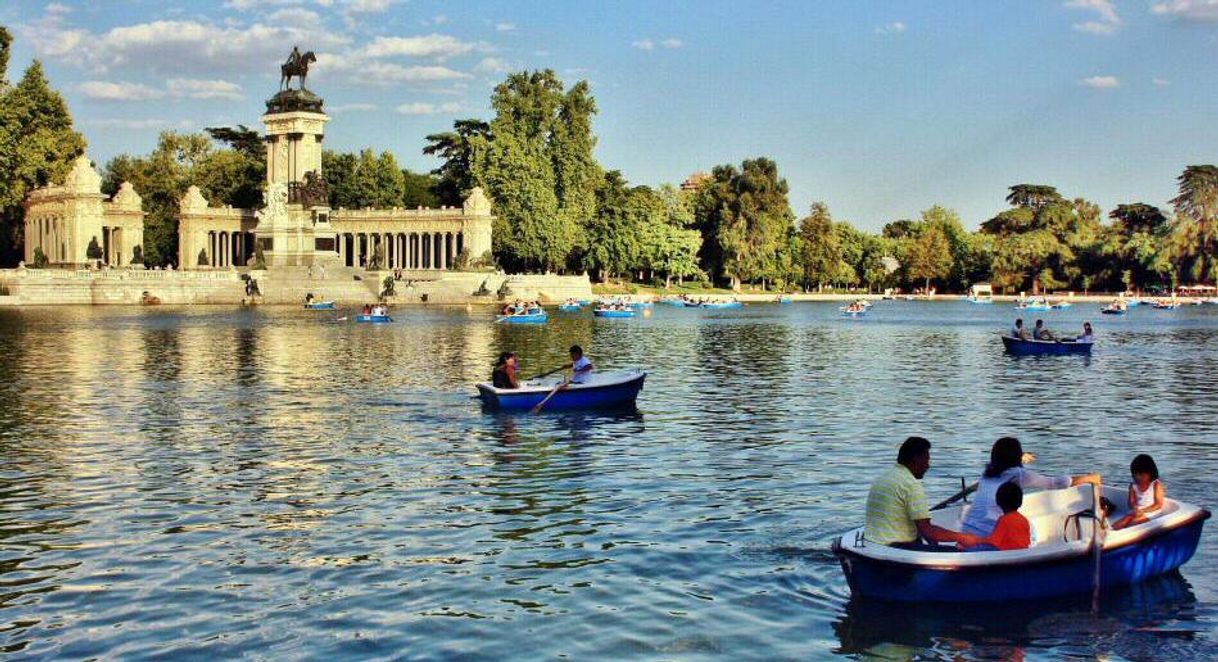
{"x": 939, "y": 534}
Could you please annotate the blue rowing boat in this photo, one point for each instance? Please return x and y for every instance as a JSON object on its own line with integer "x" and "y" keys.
{"x": 640, "y": 305}
{"x": 1059, "y": 562}
{"x": 321, "y": 305}
{"x": 613, "y": 312}
{"x": 602, "y": 390}
{"x": 722, "y": 305}
{"x": 570, "y": 307}
{"x": 1019, "y": 347}
{"x": 1112, "y": 310}
{"x": 373, "y": 319}
{"x": 531, "y": 317}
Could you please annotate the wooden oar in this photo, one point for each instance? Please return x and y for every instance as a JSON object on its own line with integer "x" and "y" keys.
{"x": 1028, "y": 458}
{"x": 547, "y": 374}
{"x": 1097, "y": 547}
{"x": 541, "y": 404}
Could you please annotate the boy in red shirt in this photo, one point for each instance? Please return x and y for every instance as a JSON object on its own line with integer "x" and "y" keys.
{"x": 1012, "y": 530}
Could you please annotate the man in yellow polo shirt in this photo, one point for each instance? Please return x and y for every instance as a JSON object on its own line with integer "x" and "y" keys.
{"x": 897, "y": 514}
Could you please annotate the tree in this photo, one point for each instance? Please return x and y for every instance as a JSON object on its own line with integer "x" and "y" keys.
{"x": 1198, "y": 202}
{"x": 522, "y": 175}
{"x": 37, "y": 146}
{"x": 930, "y": 257}
{"x": 137, "y": 254}
{"x": 242, "y": 139}
{"x": 457, "y": 149}
{"x": 577, "y": 174}
{"x": 420, "y": 190}
{"x": 745, "y": 218}
{"x": 819, "y": 253}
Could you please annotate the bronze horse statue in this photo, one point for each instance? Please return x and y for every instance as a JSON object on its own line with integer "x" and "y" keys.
{"x": 298, "y": 66}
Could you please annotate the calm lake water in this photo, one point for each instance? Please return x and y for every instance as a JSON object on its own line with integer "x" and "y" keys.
{"x": 214, "y": 483}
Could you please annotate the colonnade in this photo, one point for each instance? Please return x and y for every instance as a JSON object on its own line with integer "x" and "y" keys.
{"x": 112, "y": 246}
{"x": 402, "y": 250}
{"x": 229, "y": 249}
{"x": 48, "y": 234}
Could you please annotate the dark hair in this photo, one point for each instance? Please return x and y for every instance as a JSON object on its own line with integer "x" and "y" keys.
{"x": 1018, "y": 321}
{"x": 576, "y": 349}
{"x": 1007, "y": 452}
{"x": 503, "y": 358}
{"x": 1039, "y": 322}
{"x": 1144, "y": 464}
{"x": 912, "y": 449}
{"x": 1087, "y": 326}
{"x": 1009, "y": 496}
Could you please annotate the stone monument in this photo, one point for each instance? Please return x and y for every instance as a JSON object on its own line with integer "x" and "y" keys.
{"x": 294, "y": 229}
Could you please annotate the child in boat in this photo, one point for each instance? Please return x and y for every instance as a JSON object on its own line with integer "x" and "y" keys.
{"x": 1146, "y": 492}
{"x": 1013, "y": 530}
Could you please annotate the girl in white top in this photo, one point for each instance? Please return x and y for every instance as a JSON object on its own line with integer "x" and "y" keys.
{"x": 1006, "y": 465}
{"x": 1146, "y": 492}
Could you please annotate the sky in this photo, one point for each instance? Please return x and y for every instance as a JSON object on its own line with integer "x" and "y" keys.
{"x": 880, "y": 109}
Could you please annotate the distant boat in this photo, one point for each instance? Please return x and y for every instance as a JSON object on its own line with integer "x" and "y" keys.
{"x": 613, "y": 312}
{"x": 1060, "y": 305}
{"x": 1061, "y": 562}
{"x": 785, "y": 299}
{"x": 972, "y": 299}
{"x": 1166, "y": 305}
{"x": 719, "y": 305}
{"x": 321, "y": 305}
{"x": 1113, "y": 310}
{"x": 1033, "y": 304}
{"x": 640, "y": 305}
{"x": 1020, "y": 347}
{"x": 534, "y": 316}
{"x": 570, "y": 307}
{"x": 601, "y": 390}
{"x": 373, "y": 319}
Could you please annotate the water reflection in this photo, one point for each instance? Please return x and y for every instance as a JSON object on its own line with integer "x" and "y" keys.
{"x": 1152, "y": 620}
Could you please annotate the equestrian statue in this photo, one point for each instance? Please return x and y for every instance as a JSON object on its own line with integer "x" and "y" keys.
{"x": 296, "y": 66}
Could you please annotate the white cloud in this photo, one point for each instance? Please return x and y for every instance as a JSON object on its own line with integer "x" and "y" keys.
{"x": 296, "y": 17}
{"x": 1160, "y": 82}
{"x": 1106, "y": 20}
{"x": 896, "y": 27}
{"x": 644, "y": 45}
{"x": 439, "y": 46}
{"x": 541, "y": 53}
{"x": 247, "y": 5}
{"x": 505, "y": 27}
{"x": 440, "y": 19}
{"x": 424, "y": 108}
{"x": 57, "y": 8}
{"x": 135, "y": 124}
{"x": 1188, "y": 10}
{"x": 1101, "y": 82}
{"x": 352, "y": 108}
{"x": 672, "y": 42}
{"x": 203, "y": 89}
{"x": 118, "y": 91}
{"x": 368, "y": 6}
{"x": 495, "y": 65}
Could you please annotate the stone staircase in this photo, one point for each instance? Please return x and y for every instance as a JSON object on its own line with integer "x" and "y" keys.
{"x": 289, "y": 285}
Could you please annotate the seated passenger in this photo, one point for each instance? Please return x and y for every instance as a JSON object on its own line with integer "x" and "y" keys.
{"x": 504, "y": 375}
{"x": 1013, "y": 531}
{"x": 580, "y": 364}
{"x": 1042, "y": 332}
{"x": 1019, "y": 331}
{"x": 1146, "y": 492}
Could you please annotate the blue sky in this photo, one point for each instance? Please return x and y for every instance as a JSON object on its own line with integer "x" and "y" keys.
{"x": 881, "y": 109}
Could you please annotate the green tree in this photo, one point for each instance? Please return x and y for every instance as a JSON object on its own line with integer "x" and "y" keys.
{"x": 421, "y": 190}
{"x": 1197, "y": 202}
{"x": 930, "y": 255}
{"x": 577, "y": 173}
{"x": 745, "y": 218}
{"x": 457, "y": 150}
{"x": 37, "y": 146}
{"x": 819, "y": 252}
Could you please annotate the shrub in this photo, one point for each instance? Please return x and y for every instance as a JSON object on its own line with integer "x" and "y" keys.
{"x": 40, "y": 258}
{"x": 387, "y": 287}
{"x": 259, "y": 258}
{"x": 94, "y": 251}
{"x": 137, "y": 255}
{"x": 463, "y": 260}
{"x": 203, "y": 261}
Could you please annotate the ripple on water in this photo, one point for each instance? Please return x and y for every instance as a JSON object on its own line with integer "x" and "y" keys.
{"x": 269, "y": 483}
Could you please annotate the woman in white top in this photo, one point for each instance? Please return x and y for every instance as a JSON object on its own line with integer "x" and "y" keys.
{"x": 1006, "y": 466}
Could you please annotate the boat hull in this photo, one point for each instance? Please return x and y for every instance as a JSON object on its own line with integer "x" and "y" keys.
{"x": 620, "y": 314}
{"x": 570, "y": 308}
{"x": 1018, "y": 347}
{"x": 373, "y": 319}
{"x": 885, "y": 580}
{"x": 323, "y": 305}
{"x": 1111, "y": 311}
{"x": 620, "y": 393}
{"x": 540, "y": 318}
{"x": 722, "y": 306}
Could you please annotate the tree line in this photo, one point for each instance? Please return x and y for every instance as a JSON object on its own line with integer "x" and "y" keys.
{"x": 558, "y": 209}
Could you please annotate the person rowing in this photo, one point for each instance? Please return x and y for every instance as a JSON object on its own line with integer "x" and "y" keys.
{"x": 897, "y": 513}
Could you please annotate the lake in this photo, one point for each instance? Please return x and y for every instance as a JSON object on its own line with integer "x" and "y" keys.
{"x": 275, "y": 483}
